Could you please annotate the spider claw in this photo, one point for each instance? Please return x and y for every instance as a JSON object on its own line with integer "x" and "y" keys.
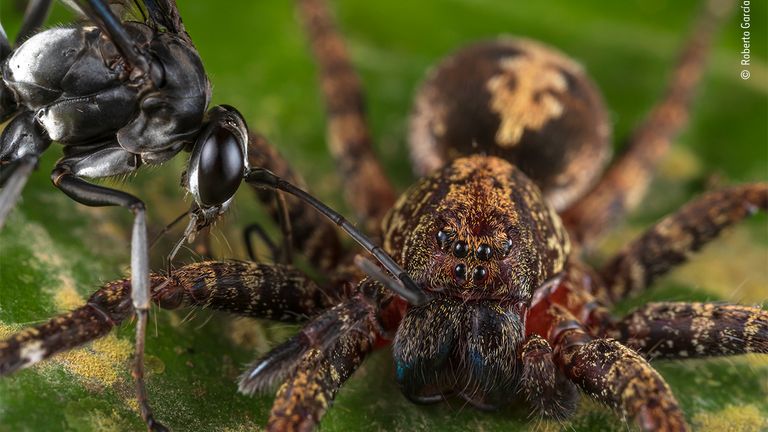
{"x": 272, "y": 368}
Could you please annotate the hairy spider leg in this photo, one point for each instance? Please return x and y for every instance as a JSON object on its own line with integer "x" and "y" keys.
{"x": 314, "y": 364}
{"x": 678, "y": 330}
{"x": 275, "y": 292}
{"x": 366, "y": 187}
{"x": 671, "y": 241}
{"x": 625, "y": 182}
{"x": 608, "y": 371}
{"x": 544, "y": 386}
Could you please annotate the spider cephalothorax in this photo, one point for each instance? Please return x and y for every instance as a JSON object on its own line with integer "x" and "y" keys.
{"x": 480, "y": 237}
{"x": 477, "y": 229}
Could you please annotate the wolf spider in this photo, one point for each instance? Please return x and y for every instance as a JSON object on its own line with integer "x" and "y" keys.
{"x": 540, "y": 336}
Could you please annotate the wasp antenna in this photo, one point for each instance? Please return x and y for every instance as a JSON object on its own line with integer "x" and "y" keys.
{"x": 368, "y": 267}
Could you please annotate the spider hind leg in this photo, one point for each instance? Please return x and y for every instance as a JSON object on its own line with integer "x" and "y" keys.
{"x": 690, "y": 330}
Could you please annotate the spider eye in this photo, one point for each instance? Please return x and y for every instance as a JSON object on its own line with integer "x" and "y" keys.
{"x": 444, "y": 238}
{"x": 506, "y": 247}
{"x": 479, "y": 274}
{"x": 460, "y": 272}
{"x": 460, "y": 249}
{"x": 484, "y": 252}
{"x": 217, "y": 166}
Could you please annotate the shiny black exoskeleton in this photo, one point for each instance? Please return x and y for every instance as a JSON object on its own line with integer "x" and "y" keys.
{"x": 118, "y": 95}
{"x": 73, "y": 86}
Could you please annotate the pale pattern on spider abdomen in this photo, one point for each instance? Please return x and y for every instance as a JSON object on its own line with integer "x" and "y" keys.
{"x": 522, "y": 101}
{"x": 523, "y": 96}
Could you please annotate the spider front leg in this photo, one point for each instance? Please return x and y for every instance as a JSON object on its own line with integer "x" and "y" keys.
{"x": 694, "y": 330}
{"x": 309, "y": 391}
{"x": 624, "y": 184}
{"x": 620, "y": 378}
{"x": 614, "y": 375}
{"x": 274, "y": 292}
{"x": 603, "y": 368}
{"x": 317, "y": 362}
{"x": 544, "y": 386}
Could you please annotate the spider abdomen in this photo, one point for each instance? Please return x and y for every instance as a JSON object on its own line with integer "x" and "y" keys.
{"x": 520, "y": 100}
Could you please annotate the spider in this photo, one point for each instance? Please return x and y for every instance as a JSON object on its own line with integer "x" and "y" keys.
{"x": 190, "y": 272}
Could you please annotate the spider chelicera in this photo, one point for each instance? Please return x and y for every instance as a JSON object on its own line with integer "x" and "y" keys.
{"x": 457, "y": 253}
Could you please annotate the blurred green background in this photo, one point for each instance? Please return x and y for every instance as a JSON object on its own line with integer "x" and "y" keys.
{"x": 54, "y": 253}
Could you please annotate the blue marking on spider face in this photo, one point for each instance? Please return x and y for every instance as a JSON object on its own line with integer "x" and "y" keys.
{"x": 476, "y": 359}
{"x": 400, "y": 369}
{"x": 442, "y": 355}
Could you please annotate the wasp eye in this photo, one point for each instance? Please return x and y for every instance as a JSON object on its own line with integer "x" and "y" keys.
{"x": 220, "y": 167}
{"x": 460, "y": 249}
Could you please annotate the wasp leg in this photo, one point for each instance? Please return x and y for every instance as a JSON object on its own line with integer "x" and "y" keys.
{"x": 258, "y": 230}
{"x": 625, "y": 182}
{"x": 367, "y": 188}
{"x": 5, "y": 45}
{"x": 21, "y": 144}
{"x": 286, "y": 252}
{"x": 693, "y": 330}
{"x": 282, "y": 254}
{"x": 99, "y": 12}
{"x": 34, "y": 17}
{"x": 92, "y": 195}
{"x": 672, "y": 240}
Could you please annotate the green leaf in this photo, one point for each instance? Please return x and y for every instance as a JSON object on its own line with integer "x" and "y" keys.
{"x": 54, "y": 253}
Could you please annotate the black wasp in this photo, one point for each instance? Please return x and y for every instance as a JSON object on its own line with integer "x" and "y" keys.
{"x": 117, "y": 95}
